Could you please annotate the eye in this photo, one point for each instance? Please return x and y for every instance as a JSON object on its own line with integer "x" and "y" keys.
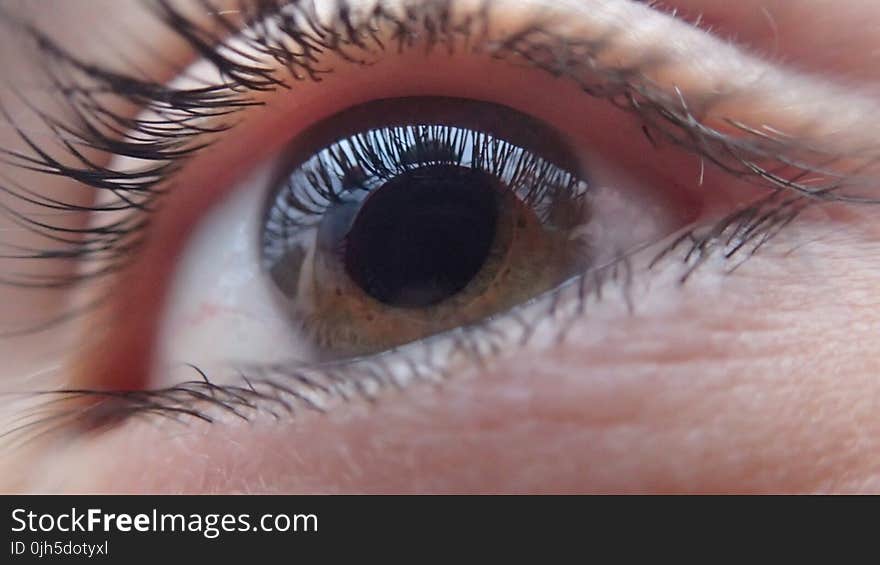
{"x": 427, "y": 205}
{"x": 399, "y": 220}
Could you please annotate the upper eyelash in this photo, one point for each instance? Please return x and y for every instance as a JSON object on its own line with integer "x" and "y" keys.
{"x": 177, "y": 132}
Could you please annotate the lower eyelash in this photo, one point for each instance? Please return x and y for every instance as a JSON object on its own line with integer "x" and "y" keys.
{"x": 290, "y": 388}
{"x": 740, "y": 234}
{"x": 285, "y": 389}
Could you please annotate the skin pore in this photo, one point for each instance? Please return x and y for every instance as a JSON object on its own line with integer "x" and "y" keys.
{"x": 763, "y": 380}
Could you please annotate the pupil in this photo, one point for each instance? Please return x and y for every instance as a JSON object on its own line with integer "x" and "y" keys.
{"x": 423, "y": 236}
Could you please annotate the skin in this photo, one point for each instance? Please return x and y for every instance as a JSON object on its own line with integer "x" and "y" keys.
{"x": 760, "y": 381}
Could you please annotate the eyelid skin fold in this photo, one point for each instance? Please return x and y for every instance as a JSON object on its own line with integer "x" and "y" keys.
{"x": 627, "y": 50}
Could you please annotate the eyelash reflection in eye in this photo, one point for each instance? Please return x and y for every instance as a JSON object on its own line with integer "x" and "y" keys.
{"x": 293, "y": 36}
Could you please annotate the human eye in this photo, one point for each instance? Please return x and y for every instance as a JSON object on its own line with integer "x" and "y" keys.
{"x": 406, "y": 230}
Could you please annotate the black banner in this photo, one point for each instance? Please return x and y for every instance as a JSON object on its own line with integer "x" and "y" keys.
{"x": 123, "y": 529}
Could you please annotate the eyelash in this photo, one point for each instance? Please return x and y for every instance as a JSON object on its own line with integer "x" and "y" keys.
{"x": 177, "y": 133}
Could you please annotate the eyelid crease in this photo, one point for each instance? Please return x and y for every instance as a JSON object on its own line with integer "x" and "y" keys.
{"x": 650, "y": 84}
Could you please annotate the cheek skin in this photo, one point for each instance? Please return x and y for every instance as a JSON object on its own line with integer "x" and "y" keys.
{"x": 769, "y": 391}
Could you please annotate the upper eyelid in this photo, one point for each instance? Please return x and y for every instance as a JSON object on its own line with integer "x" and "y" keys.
{"x": 710, "y": 99}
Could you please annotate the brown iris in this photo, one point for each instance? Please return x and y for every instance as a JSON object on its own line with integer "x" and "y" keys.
{"x": 395, "y": 233}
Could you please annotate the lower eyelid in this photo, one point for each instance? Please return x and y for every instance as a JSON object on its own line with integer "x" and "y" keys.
{"x": 595, "y": 303}
{"x": 584, "y": 393}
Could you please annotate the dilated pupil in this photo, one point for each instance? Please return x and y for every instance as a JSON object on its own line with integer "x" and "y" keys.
{"x": 423, "y": 236}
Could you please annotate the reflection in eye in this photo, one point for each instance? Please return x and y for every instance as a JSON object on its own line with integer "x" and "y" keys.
{"x": 398, "y": 232}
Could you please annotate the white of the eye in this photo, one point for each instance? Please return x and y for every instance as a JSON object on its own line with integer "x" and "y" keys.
{"x": 221, "y": 307}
